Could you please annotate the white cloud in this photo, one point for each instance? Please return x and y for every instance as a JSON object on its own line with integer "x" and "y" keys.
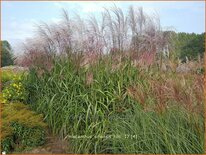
{"x": 16, "y": 32}
{"x": 20, "y": 28}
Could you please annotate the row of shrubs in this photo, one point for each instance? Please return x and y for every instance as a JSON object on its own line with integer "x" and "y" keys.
{"x": 21, "y": 129}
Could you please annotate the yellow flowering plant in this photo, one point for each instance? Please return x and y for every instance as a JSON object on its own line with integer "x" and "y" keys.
{"x": 14, "y": 91}
{"x": 9, "y": 75}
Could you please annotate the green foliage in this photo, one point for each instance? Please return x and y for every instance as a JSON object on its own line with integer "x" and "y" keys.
{"x": 14, "y": 90}
{"x": 194, "y": 47}
{"x": 201, "y": 70}
{"x": 190, "y": 45}
{"x": 9, "y": 75}
{"x": 7, "y": 55}
{"x": 7, "y": 144}
{"x": 107, "y": 99}
{"x": 21, "y": 128}
{"x": 27, "y": 136}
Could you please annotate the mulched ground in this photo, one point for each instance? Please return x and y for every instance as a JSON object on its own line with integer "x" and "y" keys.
{"x": 53, "y": 145}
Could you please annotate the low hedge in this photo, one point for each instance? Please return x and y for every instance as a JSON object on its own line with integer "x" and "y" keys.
{"x": 21, "y": 128}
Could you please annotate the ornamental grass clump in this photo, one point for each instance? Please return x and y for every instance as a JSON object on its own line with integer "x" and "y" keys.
{"x": 100, "y": 110}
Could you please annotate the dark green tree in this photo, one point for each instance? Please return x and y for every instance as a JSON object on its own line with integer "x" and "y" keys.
{"x": 189, "y": 45}
{"x": 194, "y": 47}
{"x": 6, "y": 54}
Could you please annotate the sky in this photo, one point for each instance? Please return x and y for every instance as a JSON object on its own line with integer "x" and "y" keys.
{"x": 19, "y": 19}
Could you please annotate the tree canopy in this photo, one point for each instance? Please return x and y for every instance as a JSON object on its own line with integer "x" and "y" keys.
{"x": 6, "y": 54}
{"x": 190, "y": 45}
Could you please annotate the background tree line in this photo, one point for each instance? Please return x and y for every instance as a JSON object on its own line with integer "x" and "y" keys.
{"x": 190, "y": 45}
